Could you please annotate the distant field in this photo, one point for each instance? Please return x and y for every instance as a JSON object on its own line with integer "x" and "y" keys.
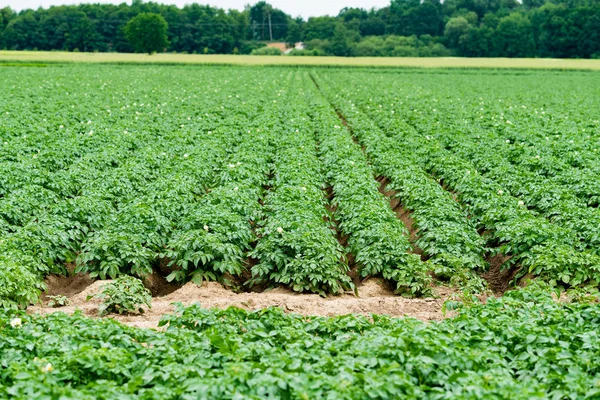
{"x": 34, "y": 56}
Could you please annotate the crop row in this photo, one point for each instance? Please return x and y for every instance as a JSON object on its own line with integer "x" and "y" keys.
{"x": 552, "y": 130}
{"x": 533, "y": 242}
{"x": 117, "y": 199}
{"x": 376, "y": 238}
{"x": 491, "y": 154}
{"x": 554, "y": 201}
{"x": 445, "y": 233}
{"x": 524, "y": 345}
{"x": 298, "y": 245}
{"x": 557, "y": 143}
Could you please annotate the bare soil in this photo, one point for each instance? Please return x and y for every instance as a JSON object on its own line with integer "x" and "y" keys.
{"x": 375, "y": 297}
{"x": 498, "y": 277}
{"x": 402, "y": 214}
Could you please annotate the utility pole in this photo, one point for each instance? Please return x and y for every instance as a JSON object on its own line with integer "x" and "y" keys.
{"x": 268, "y": 9}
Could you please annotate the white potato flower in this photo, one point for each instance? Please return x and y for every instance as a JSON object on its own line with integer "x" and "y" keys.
{"x": 47, "y": 368}
{"x": 280, "y": 229}
{"x": 16, "y": 322}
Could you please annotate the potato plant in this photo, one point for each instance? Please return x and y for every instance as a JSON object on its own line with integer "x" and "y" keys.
{"x": 525, "y": 345}
{"x": 265, "y": 177}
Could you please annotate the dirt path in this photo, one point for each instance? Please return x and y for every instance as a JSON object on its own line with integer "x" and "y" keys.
{"x": 375, "y": 297}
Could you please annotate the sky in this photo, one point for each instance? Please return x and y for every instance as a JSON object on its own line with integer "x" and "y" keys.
{"x": 304, "y": 8}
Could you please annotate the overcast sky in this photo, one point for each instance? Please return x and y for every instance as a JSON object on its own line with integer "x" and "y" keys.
{"x": 304, "y": 8}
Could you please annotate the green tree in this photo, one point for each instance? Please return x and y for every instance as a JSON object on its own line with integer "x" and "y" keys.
{"x": 372, "y": 26}
{"x": 319, "y": 28}
{"x": 22, "y": 32}
{"x": 294, "y": 34}
{"x": 456, "y": 32}
{"x": 514, "y": 36}
{"x": 340, "y": 43}
{"x": 1, "y": 30}
{"x": 147, "y": 33}
{"x": 268, "y": 23}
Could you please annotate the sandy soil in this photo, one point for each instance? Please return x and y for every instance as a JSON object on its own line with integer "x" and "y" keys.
{"x": 375, "y": 297}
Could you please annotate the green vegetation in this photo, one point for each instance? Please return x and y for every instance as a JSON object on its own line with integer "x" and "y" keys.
{"x": 525, "y": 345}
{"x": 266, "y": 51}
{"x": 313, "y": 179}
{"x": 147, "y": 33}
{"x": 403, "y": 28}
{"x": 257, "y": 178}
{"x": 520, "y": 188}
{"x": 124, "y": 295}
{"x": 58, "y": 301}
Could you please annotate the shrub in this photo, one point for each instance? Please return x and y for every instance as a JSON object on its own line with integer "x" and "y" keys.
{"x": 266, "y": 51}
{"x": 125, "y": 295}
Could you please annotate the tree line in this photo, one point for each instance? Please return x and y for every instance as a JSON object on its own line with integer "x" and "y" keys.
{"x": 473, "y": 28}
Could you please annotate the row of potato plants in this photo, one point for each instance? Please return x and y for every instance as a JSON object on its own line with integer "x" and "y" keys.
{"x": 377, "y": 239}
{"x": 297, "y": 243}
{"x": 523, "y": 346}
{"x": 108, "y": 189}
{"x": 573, "y": 167}
{"x": 211, "y": 240}
{"x": 445, "y": 233}
{"x": 552, "y": 138}
{"x": 541, "y": 247}
{"x": 554, "y": 201}
{"x": 133, "y": 234}
{"x": 536, "y": 126}
{"x": 491, "y": 154}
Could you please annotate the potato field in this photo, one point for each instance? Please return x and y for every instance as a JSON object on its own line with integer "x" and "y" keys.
{"x": 314, "y": 180}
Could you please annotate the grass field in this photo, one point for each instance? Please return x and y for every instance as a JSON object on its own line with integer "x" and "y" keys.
{"x": 438, "y": 62}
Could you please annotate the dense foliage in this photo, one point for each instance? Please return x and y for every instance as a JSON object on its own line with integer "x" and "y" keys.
{"x": 522, "y": 346}
{"x": 124, "y": 295}
{"x": 147, "y": 33}
{"x": 522, "y": 161}
{"x": 494, "y": 28}
{"x": 263, "y": 177}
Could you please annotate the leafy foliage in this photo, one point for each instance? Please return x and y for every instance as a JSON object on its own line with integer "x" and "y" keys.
{"x": 401, "y": 28}
{"x": 297, "y": 246}
{"x": 124, "y": 295}
{"x": 147, "y": 33}
{"x": 59, "y": 301}
{"x": 556, "y": 240}
{"x": 244, "y": 177}
{"x": 376, "y": 238}
{"x": 525, "y": 345}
